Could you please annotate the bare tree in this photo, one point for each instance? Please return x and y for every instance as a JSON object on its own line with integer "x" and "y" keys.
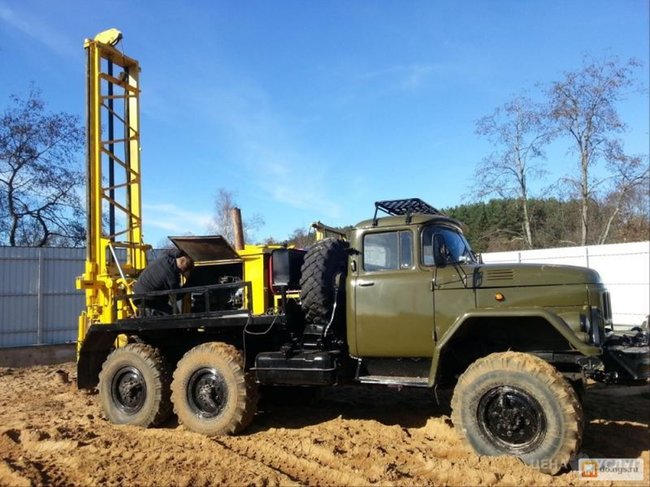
{"x": 632, "y": 223}
{"x": 516, "y": 131}
{"x": 630, "y": 180}
{"x": 582, "y": 106}
{"x": 301, "y": 238}
{"x": 39, "y": 175}
{"x": 224, "y": 201}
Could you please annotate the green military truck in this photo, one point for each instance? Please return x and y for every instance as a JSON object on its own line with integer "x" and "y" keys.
{"x": 402, "y": 301}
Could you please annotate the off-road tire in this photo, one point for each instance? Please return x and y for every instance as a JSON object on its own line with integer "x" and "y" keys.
{"x": 501, "y": 386}
{"x": 211, "y": 392}
{"x": 323, "y": 262}
{"x": 579, "y": 387}
{"x": 134, "y": 386}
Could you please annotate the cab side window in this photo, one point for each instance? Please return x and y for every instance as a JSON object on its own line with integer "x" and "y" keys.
{"x": 388, "y": 251}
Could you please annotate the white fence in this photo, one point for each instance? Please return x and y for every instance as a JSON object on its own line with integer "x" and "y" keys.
{"x": 38, "y": 300}
{"x": 624, "y": 268}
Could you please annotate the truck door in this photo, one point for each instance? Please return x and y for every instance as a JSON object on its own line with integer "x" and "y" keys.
{"x": 393, "y": 302}
{"x": 446, "y": 252}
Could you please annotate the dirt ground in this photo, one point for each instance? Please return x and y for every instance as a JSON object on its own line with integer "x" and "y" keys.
{"x": 53, "y": 434}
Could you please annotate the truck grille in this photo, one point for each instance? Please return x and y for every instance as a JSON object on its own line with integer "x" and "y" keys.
{"x": 500, "y": 274}
{"x": 606, "y": 306}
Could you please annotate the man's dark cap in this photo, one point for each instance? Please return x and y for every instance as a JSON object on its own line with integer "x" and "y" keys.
{"x": 176, "y": 253}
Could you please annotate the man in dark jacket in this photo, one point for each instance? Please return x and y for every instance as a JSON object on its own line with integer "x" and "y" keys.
{"x": 163, "y": 274}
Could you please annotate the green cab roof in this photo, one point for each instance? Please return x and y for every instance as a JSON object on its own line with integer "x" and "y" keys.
{"x": 415, "y": 219}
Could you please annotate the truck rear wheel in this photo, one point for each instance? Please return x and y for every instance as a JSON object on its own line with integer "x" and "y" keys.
{"x": 134, "y": 386}
{"x": 517, "y": 404}
{"x": 324, "y": 260}
{"x": 211, "y": 392}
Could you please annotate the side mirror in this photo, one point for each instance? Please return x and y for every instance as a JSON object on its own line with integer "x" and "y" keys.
{"x": 440, "y": 253}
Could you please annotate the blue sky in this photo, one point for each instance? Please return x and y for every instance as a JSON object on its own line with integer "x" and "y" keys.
{"x": 312, "y": 110}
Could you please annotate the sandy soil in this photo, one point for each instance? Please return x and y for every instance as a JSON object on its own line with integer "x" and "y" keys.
{"x": 53, "y": 434}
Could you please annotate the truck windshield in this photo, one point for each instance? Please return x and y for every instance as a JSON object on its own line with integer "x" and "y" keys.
{"x": 444, "y": 245}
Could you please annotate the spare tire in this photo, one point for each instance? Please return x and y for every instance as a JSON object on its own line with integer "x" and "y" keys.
{"x": 324, "y": 261}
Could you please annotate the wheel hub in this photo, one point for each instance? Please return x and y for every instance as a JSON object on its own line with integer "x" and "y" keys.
{"x": 207, "y": 393}
{"x": 512, "y": 419}
{"x": 129, "y": 390}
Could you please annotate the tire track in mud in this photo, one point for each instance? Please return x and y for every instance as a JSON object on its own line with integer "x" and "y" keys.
{"x": 146, "y": 457}
{"x": 382, "y": 452}
{"x": 340, "y": 451}
{"x": 240, "y": 470}
{"x": 32, "y": 449}
{"x": 35, "y": 444}
{"x": 395, "y": 455}
{"x": 294, "y": 460}
{"x": 401, "y": 454}
{"x": 245, "y": 455}
{"x": 367, "y": 436}
{"x": 386, "y": 454}
{"x": 15, "y": 467}
{"x": 64, "y": 440}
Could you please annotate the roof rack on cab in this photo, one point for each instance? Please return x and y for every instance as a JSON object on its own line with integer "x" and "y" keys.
{"x": 405, "y": 207}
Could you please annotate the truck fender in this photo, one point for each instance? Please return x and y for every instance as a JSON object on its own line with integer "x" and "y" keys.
{"x": 97, "y": 344}
{"x": 472, "y": 318}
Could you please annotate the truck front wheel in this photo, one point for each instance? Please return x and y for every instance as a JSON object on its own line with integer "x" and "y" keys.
{"x": 211, "y": 392}
{"x": 517, "y": 404}
{"x": 134, "y": 386}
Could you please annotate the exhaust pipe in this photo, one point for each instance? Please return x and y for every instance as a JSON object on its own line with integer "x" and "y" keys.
{"x": 238, "y": 228}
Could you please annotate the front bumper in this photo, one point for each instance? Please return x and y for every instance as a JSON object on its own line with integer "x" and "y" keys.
{"x": 625, "y": 359}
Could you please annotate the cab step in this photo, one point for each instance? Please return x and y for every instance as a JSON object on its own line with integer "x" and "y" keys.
{"x": 388, "y": 380}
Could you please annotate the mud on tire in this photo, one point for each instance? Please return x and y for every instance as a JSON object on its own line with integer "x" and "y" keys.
{"x": 513, "y": 403}
{"x": 211, "y": 392}
{"x": 324, "y": 260}
{"x": 134, "y": 386}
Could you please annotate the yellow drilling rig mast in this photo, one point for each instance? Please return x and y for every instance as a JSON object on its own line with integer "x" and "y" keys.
{"x": 116, "y": 252}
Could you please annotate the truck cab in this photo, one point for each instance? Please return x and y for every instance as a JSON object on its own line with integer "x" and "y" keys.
{"x": 415, "y": 290}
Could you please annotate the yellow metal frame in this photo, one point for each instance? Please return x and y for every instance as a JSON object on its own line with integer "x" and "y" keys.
{"x": 324, "y": 231}
{"x": 256, "y": 272}
{"x": 277, "y": 300}
{"x": 105, "y": 279}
